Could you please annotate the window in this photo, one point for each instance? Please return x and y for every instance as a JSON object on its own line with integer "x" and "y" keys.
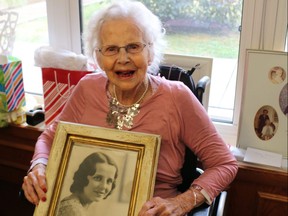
{"x": 31, "y": 33}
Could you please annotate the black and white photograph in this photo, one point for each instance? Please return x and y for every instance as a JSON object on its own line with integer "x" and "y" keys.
{"x": 277, "y": 75}
{"x": 266, "y": 122}
{"x": 95, "y": 182}
{"x": 100, "y": 170}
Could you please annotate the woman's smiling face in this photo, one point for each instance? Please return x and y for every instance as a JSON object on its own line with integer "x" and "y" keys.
{"x": 100, "y": 184}
{"x": 125, "y": 70}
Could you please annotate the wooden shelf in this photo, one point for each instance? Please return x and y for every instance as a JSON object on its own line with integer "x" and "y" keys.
{"x": 16, "y": 150}
{"x": 258, "y": 190}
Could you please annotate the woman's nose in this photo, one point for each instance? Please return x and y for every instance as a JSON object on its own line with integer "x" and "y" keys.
{"x": 103, "y": 184}
{"x": 123, "y": 56}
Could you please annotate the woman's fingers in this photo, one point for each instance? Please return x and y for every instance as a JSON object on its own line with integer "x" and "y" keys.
{"x": 146, "y": 207}
{"x": 29, "y": 191}
{"x": 37, "y": 179}
{"x": 161, "y": 207}
{"x": 34, "y": 184}
{"x": 40, "y": 180}
{"x": 154, "y": 207}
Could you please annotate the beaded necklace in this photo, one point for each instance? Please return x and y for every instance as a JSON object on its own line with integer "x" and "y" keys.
{"x": 121, "y": 115}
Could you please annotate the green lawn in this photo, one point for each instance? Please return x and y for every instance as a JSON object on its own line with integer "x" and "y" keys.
{"x": 206, "y": 45}
{"x": 197, "y": 44}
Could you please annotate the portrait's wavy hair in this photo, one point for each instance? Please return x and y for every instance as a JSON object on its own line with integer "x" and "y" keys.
{"x": 88, "y": 168}
{"x": 148, "y": 23}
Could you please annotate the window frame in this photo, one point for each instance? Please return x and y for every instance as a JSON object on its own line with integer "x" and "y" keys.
{"x": 64, "y": 32}
{"x": 64, "y": 24}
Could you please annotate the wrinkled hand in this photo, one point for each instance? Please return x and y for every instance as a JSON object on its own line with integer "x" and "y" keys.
{"x": 163, "y": 207}
{"x": 34, "y": 184}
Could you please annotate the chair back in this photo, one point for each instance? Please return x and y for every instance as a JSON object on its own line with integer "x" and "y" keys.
{"x": 178, "y": 74}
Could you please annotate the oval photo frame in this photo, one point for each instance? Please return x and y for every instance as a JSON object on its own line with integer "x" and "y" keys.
{"x": 266, "y": 123}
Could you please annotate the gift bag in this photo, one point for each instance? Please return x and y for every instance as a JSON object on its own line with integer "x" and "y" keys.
{"x": 12, "y": 95}
{"x": 58, "y": 85}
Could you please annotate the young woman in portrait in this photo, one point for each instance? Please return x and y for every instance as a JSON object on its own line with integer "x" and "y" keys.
{"x": 94, "y": 181}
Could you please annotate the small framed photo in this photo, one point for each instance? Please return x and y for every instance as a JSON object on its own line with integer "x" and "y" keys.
{"x": 98, "y": 171}
{"x": 264, "y": 111}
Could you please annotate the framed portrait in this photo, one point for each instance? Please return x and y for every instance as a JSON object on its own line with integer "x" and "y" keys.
{"x": 98, "y": 171}
{"x": 264, "y": 111}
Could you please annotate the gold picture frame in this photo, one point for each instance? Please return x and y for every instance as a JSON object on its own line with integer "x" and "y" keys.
{"x": 135, "y": 153}
{"x": 264, "y": 102}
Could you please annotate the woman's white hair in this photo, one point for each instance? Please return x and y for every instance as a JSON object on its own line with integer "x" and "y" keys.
{"x": 149, "y": 24}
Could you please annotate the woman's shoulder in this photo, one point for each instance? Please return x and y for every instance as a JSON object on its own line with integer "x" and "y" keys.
{"x": 70, "y": 206}
{"x": 72, "y": 199}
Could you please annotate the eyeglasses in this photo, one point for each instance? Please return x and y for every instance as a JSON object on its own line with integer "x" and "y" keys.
{"x": 131, "y": 48}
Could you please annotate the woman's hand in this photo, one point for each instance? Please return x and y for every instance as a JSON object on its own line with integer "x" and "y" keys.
{"x": 34, "y": 184}
{"x": 162, "y": 207}
{"x": 177, "y": 206}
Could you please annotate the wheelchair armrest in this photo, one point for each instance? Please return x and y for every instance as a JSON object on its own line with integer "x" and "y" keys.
{"x": 199, "y": 170}
{"x": 215, "y": 209}
{"x": 219, "y": 211}
{"x": 218, "y": 204}
{"x": 201, "y": 86}
{"x": 203, "y": 82}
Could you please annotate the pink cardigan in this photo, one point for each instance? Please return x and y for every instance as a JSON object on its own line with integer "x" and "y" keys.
{"x": 172, "y": 112}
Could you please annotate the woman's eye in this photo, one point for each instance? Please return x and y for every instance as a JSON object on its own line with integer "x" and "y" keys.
{"x": 110, "y": 181}
{"x": 97, "y": 178}
{"x": 111, "y": 49}
{"x": 133, "y": 46}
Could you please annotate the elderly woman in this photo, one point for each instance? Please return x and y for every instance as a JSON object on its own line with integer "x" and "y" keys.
{"x": 94, "y": 181}
{"x": 126, "y": 39}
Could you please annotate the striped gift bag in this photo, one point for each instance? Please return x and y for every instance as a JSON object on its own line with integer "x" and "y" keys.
{"x": 58, "y": 85}
{"x": 12, "y": 95}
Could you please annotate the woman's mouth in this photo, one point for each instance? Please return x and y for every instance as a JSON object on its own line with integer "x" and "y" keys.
{"x": 125, "y": 74}
{"x": 99, "y": 193}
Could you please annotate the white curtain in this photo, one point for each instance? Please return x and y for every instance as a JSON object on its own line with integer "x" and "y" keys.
{"x": 270, "y": 24}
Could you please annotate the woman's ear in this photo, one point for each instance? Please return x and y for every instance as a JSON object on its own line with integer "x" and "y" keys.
{"x": 150, "y": 57}
{"x": 98, "y": 60}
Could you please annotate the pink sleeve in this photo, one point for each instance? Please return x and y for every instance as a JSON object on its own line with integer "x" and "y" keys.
{"x": 199, "y": 133}
{"x": 44, "y": 143}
